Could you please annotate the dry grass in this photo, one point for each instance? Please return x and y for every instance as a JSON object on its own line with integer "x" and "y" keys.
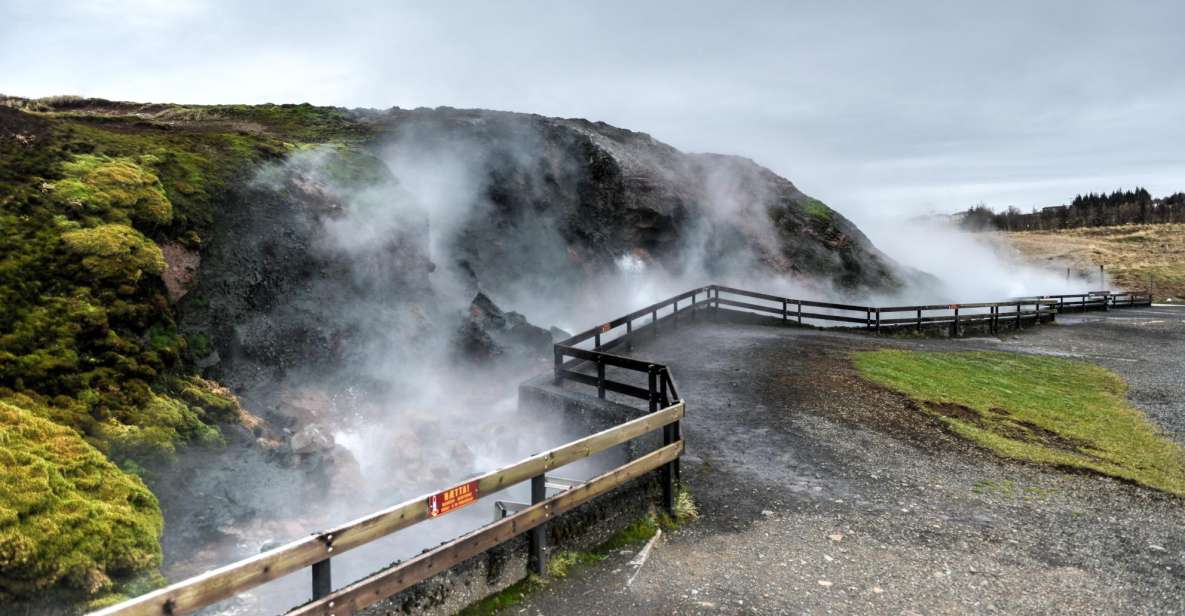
{"x": 1132, "y": 254}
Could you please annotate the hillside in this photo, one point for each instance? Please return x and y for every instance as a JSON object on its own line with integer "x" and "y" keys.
{"x": 183, "y": 278}
{"x": 1134, "y": 256}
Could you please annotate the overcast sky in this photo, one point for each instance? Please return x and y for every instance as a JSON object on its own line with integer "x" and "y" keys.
{"x": 880, "y": 109}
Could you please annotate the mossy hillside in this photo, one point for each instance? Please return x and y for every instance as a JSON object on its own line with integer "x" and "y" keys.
{"x": 88, "y": 337}
{"x": 1040, "y": 409}
{"x": 68, "y": 516}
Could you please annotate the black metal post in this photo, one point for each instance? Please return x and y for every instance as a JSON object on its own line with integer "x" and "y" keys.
{"x": 785, "y": 315}
{"x": 652, "y": 388}
{"x": 667, "y": 472}
{"x": 629, "y": 330}
{"x": 1018, "y": 315}
{"x": 919, "y": 319}
{"x": 537, "y": 551}
{"x": 694, "y": 306}
{"x": 559, "y": 364}
{"x": 954, "y": 327}
{"x": 597, "y": 341}
{"x": 654, "y": 321}
{"x": 322, "y": 579}
{"x": 601, "y": 378}
{"x": 799, "y": 312}
{"x": 878, "y": 320}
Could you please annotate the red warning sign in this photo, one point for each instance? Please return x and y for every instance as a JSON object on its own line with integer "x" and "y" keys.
{"x": 452, "y": 498}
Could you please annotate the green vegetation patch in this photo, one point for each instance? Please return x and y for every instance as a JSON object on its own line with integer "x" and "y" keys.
{"x": 67, "y": 515}
{"x": 1039, "y": 409}
{"x": 818, "y": 210}
{"x": 115, "y": 251}
{"x": 113, "y": 189}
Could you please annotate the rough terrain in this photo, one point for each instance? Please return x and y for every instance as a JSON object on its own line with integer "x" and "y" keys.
{"x": 823, "y": 494}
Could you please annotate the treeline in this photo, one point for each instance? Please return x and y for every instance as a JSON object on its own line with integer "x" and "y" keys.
{"x": 1090, "y": 210}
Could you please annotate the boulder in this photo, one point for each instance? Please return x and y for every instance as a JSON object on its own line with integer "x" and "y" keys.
{"x": 488, "y": 332}
{"x": 312, "y": 439}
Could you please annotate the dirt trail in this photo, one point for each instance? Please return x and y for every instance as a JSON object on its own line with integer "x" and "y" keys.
{"x": 823, "y": 494}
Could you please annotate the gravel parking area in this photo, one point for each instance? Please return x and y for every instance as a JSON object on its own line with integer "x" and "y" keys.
{"x": 821, "y": 493}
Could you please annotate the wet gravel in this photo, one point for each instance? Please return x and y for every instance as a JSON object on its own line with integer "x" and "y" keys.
{"x": 823, "y": 494}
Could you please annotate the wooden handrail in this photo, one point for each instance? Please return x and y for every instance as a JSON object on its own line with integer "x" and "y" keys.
{"x": 400, "y": 577}
{"x": 209, "y": 588}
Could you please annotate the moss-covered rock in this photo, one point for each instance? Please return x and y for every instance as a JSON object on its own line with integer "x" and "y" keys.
{"x": 115, "y": 252}
{"x": 67, "y": 515}
{"x": 114, "y": 190}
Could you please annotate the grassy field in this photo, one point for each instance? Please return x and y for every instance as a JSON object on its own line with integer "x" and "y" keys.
{"x": 1038, "y": 409}
{"x": 1134, "y": 255}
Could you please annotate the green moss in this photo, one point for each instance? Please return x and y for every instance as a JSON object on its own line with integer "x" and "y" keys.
{"x": 1039, "y": 409}
{"x": 560, "y": 564}
{"x": 513, "y": 595}
{"x": 301, "y": 122}
{"x": 88, "y": 337}
{"x": 114, "y": 190}
{"x": 67, "y": 515}
{"x": 115, "y": 252}
{"x": 640, "y": 531}
{"x": 818, "y": 210}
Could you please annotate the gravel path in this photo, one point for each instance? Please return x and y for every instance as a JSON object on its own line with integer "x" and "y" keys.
{"x": 823, "y": 494}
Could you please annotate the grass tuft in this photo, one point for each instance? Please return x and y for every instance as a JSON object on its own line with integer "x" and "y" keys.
{"x": 1046, "y": 410}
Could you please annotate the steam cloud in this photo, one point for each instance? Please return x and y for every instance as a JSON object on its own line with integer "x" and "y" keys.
{"x": 403, "y": 416}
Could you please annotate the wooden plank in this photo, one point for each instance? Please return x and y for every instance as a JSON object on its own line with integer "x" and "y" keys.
{"x": 748, "y": 306}
{"x": 775, "y": 298}
{"x": 832, "y": 317}
{"x": 805, "y": 315}
{"x": 391, "y": 581}
{"x": 213, "y": 586}
{"x": 622, "y": 388}
{"x": 610, "y": 359}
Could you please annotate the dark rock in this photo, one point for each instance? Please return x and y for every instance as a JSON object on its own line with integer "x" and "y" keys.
{"x": 488, "y": 332}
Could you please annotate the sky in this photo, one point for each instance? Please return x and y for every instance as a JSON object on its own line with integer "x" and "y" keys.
{"x": 883, "y": 110}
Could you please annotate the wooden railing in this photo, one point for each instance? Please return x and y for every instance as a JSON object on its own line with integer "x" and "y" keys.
{"x": 316, "y": 550}
{"x": 1099, "y": 300}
